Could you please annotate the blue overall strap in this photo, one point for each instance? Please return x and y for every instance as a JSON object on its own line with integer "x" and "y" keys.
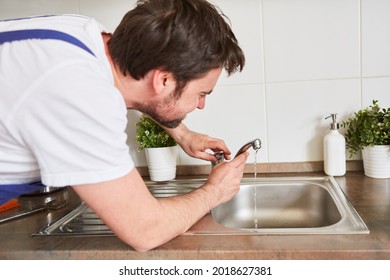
{"x": 41, "y": 34}
{"x": 10, "y": 191}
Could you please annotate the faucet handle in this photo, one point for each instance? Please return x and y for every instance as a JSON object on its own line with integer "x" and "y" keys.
{"x": 220, "y": 156}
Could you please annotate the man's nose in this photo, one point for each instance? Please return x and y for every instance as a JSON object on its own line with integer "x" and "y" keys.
{"x": 202, "y": 103}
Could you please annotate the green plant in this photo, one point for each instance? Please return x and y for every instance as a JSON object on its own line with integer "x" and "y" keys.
{"x": 150, "y": 135}
{"x": 367, "y": 127}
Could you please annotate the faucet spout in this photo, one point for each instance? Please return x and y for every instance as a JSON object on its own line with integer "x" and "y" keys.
{"x": 255, "y": 144}
{"x": 220, "y": 156}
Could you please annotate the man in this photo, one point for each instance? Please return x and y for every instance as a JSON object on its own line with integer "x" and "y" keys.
{"x": 65, "y": 86}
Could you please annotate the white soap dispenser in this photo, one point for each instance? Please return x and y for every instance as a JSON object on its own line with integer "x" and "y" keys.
{"x": 334, "y": 150}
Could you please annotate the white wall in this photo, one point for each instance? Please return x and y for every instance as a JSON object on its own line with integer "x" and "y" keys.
{"x": 305, "y": 60}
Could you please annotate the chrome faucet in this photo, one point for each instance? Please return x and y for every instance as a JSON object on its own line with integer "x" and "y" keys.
{"x": 255, "y": 144}
{"x": 220, "y": 156}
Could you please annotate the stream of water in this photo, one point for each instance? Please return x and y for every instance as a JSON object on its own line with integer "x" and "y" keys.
{"x": 255, "y": 220}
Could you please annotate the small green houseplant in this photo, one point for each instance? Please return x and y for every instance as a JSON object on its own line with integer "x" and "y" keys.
{"x": 160, "y": 149}
{"x": 150, "y": 135}
{"x": 367, "y": 127}
{"x": 369, "y": 131}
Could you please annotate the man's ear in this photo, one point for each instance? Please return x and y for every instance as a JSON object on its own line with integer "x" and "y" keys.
{"x": 163, "y": 82}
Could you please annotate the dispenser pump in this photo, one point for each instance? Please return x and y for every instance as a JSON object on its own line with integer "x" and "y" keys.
{"x": 334, "y": 125}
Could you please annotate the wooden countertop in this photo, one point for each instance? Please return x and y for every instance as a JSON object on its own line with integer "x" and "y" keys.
{"x": 370, "y": 197}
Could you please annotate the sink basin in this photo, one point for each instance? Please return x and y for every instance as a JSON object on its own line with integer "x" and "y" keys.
{"x": 286, "y": 205}
{"x": 290, "y": 205}
{"x": 274, "y": 205}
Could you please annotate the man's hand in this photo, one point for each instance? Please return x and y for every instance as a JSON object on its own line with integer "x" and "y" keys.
{"x": 197, "y": 145}
{"x": 225, "y": 178}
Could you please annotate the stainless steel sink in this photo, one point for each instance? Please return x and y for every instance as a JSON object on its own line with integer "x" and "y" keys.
{"x": 274, "y": 205}
{"x": 290, "y": 205}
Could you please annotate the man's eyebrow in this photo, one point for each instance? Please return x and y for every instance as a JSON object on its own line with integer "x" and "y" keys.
{"x": 207, "y": 92}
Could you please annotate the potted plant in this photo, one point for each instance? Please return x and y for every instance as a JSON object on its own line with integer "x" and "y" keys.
{"x": 369, "y": 131}
{"x": 160, "y": 149}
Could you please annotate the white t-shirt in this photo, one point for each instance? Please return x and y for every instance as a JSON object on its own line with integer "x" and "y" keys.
{"x": 61, "y": 118}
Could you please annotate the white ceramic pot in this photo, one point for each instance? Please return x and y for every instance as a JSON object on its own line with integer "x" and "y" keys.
{"x": 376, "y": 161}
{"x": 162, "y": 163}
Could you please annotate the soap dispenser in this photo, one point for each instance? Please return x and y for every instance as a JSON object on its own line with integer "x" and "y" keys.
{"x": 334, "y": 150}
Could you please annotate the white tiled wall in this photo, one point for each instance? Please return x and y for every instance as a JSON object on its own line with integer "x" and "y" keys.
{"x": 305, "y": 60}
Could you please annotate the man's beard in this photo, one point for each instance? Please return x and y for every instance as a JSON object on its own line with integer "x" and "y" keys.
{"x": 167, "y": 123}
{"x": 151, "y": 111}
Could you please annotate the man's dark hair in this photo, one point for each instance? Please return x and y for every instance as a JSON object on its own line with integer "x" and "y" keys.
{"x": 185, "y": 37}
